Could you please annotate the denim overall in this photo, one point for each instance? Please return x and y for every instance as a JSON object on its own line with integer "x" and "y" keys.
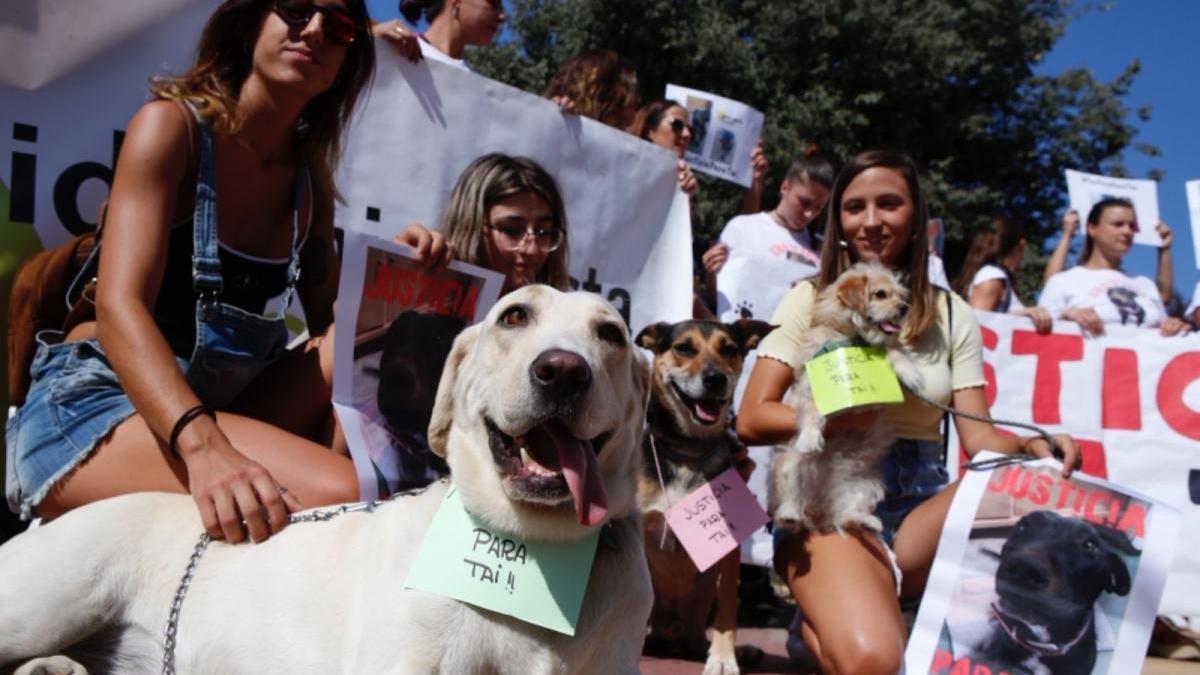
{"x": 75, "y": 400}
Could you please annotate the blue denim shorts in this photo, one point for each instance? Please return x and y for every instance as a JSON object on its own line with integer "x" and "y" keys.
{"x": 912, "y": 472}
{"x": 75, "y": 401}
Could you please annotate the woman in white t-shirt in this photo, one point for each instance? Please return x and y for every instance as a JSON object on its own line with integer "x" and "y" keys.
{"x": 454, "y": 25}
{"x": 986, "y": 280}
{"x": 1097, "y": 292}
{"x": 791, "y": 230}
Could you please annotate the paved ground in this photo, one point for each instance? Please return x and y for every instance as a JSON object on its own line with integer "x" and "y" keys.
{"x": 771, "y": 641}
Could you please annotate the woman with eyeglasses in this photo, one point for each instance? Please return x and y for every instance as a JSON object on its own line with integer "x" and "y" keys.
{"x": 506, "y": 214}
{"x": 453, "y": 26}
{"x": 221, "y": 211}
{"x": 665, "y": 124}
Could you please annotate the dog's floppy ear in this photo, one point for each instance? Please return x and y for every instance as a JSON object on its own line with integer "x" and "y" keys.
{"x": 443, "y": 404}
{"x": 641, "y": 381}
{"x": 749, "y": 332}
{"x": 656, "y": 337}
{"x": 852, "y": 291}
{"x": 1118, "y": 573}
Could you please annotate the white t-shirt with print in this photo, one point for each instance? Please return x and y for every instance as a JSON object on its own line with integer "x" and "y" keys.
{"x": 758, "y": 233}
{"x": 991, "y": 273}
{"x": 1115, "y": 296}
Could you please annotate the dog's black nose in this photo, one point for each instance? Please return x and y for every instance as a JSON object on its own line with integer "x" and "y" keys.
{"x": 714, "y": 380}
{"x": 1028, "y": 573}
{"x": 558, "y": 372}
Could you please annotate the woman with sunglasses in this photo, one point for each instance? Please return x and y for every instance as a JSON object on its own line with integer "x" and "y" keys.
{"x": 1097, "y": 291}
{"x": 184, "y": 382}
{"x": 453, "y": 26}
{"x": 665, "y": 124}
{"x": 506, "y": 214}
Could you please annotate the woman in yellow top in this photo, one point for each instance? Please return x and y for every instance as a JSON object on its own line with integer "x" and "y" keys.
{"x": 846, "y": 583}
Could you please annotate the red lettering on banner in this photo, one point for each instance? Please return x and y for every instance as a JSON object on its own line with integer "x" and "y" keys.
{"x": 1041, "y": 489}
{"x": 990, "y": 341}
{"x": 1051, "y": 350}
{"x": 1179, "y": 373}
{"x": 1133, "y": 520}
{"x": 1120, "y": 394}
{"x": 1094, "y": 461}
{"x": 1045, "y": 488}
{"x": 942, "y": 659}
{"x": 445, "y": 296}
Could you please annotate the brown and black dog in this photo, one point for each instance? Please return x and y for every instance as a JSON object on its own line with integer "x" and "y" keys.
{"x": 696, "y": 368}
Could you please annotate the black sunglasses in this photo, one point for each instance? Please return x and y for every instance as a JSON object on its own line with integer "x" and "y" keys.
{"x": 337, "y": 23}
{"x": 677, "y": 125}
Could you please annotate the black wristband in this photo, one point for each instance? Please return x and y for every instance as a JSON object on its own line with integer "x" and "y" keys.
{"x": 184, "y": 419}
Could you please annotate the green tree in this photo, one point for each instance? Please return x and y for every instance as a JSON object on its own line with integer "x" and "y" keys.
{"x": 950, "y": 82}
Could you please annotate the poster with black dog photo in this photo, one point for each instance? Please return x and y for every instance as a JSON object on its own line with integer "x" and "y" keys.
{"x": 401, "y": 320}
{"x": 1037, "y": 574}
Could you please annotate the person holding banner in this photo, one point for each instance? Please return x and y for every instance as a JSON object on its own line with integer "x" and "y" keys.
{"x": 184, "y": 382}
{"x": 1098, "y": 292}
{"x": 987, "y": 280}
{"x": 846, "y": 583}
{"x": 507, "y": 214}
{"x": 597, "y": 83}
{"x": 453, "y": 26}
{"x": 665, "y": 124}
{"x": 1057, "y": 261}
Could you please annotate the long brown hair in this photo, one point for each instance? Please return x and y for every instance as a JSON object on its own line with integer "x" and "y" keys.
{"x": 486, "y": 181}
{"x": 982, "y": 248}
{"x": 599, "y": 82}
{"x": 224, "y": 58}
{"x": 1093, "y": 218}
{"x": 837, "y": 256}
{"x": 650, "y": 116}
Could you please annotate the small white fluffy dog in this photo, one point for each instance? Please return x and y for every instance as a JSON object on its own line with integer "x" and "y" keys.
{"x": 539, "y": 413}
{"x": 827, "y": 484}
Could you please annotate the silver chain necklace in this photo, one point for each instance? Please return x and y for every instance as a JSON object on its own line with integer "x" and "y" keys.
{"x": 315, "y": 516}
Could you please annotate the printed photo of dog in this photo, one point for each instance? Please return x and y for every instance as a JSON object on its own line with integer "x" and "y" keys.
{"x": 1041, "y": 593}
{"x": 827, "y": 484}
{"x": 695, "y": 370}
{"x": 539, "y": 414}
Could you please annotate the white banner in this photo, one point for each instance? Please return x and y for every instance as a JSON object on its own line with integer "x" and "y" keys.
{"x": 629, "y": 232}
{"x": 724, "y": 132}
{"x": 1036, "y": 573}
{"x": 1130, "y": 398}
{"x": 1085, "y": 189}
{"x": 1193, "y": 201}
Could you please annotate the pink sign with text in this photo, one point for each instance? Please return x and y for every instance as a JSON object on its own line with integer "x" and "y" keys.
{"x": 716, "y": 518}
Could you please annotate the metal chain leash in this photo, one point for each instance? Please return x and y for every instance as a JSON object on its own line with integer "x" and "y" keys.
{"x": 314, "y": 516}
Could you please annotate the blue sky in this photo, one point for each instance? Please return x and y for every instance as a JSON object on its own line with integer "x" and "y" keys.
{"x": 1163, "y": 35}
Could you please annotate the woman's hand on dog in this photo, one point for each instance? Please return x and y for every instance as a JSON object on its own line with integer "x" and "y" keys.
{"x": 432, "y": 249}
{"x": 1070, "y": 456}
{"x": 230, "y": 488}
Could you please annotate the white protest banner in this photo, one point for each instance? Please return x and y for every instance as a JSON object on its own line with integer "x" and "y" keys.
{"x": 1037, "y": 573}
{"x": 1085, "y": 189}
{"x": 724, "y": 132}
{"x": 423, "y": 123}
{"x": 395, "y": 323}
{"x": 72, "y": 74}
{"x": 1193, "y": 200}
{"x": 1131, "y": 399}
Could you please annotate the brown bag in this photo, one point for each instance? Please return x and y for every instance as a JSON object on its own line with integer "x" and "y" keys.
{"x": 56, "y": 289}
{"x": 53, "y": 289}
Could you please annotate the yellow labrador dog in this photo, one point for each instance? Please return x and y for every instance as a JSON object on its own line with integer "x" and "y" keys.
{"x": 539, "y": 414}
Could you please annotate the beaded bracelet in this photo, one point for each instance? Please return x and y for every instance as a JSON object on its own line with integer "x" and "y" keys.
{"x": 184, "y": 419}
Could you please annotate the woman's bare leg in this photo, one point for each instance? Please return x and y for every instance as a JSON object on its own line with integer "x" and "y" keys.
{"x": 917, "y": 540}
{"x": 845, "y": 588}
{"x": 132, "y": 459}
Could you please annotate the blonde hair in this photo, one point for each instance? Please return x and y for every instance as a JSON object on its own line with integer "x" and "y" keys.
{"x": 837, "y": 255}
{"x": 485, "y": 182}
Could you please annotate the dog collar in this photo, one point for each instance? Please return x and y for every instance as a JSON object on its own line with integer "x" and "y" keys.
{"x": 1041, "y": 648}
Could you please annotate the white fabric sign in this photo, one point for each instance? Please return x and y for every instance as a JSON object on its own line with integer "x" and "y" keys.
{"x": 1085, "y": 189}
{"x": 72, "y": 74}
{"x": 724, "y": 132}
{"x": 1036, "y": 573}
{"x": 629, "y": 232}
{"x": 1130, "y": 398}
{"x": 1193, "y": 200}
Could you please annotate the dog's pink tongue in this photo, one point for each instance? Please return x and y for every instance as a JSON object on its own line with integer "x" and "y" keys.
{"x": 582, "y": 473}
{"x": 707, "y": 411}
